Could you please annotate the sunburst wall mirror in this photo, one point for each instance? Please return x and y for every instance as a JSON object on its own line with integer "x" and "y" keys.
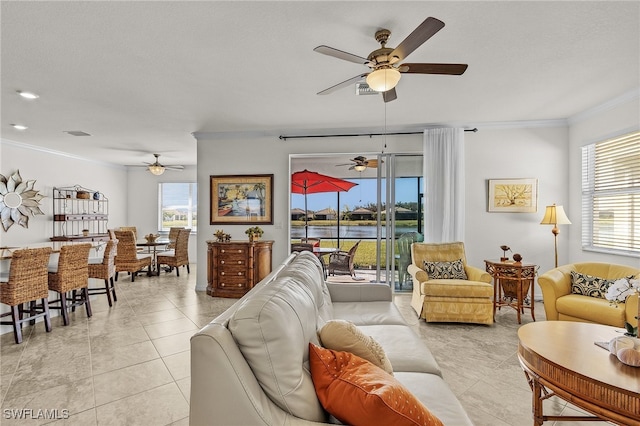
{"x": 18, "y": 200}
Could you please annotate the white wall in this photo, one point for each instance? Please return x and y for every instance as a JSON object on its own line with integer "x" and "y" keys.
{"x": 142, "y": 201}
{"x": 618, "y": 117}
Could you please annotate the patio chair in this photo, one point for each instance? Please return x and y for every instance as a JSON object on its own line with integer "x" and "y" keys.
{"x": 341, "y": 262}
{"x": 404, "y": 254}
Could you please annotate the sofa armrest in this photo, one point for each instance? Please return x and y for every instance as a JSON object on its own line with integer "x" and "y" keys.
{"x": 417, "y": 274}
{"x": 365, "y": 292}
{"x": 477, "y": 274}
{"x": 554, "y": 284}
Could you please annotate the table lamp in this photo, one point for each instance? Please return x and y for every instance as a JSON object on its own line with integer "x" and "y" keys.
{"x": 555, "y": 215}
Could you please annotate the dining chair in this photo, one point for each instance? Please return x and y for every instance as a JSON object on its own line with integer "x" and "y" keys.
{"x": 105, "y": 269}
{"x": 341, "y": 262}
{"x": 68, "y": 275}
{"x": 173, "y": 236}
{"x": 301, "y": 247}
{"x": 26, "y": 283}
{"x": 178, "y": 256}
{"x": 127, "y": 258}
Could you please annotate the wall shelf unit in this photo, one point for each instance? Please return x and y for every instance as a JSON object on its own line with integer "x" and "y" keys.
{"x": 79, "y": 214}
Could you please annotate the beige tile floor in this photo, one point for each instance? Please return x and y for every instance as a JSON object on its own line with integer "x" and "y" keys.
{"x": 129, "y": 364}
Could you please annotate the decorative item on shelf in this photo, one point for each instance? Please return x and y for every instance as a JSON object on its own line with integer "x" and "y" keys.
{"x": 85, "y": 232}
{"x": 221, "y": 236}
{"x": 151, "y": 238}
{"x": 618, "y": 292}
{"x": 254, "y": 233}
{"x": 18, "y": 199}
{"x": 504, "y": 249}
{"x": 96, "y": 195}
{"x": 82, "y": 195}
{"x": 517, "y": 257}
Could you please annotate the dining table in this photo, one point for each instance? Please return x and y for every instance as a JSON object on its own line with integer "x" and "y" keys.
{"x": 6, "y": 252}
{"x": 152, "y": 248}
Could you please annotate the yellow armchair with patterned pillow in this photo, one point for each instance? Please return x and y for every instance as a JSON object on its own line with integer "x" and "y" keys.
{"x": 445, "y": 288}
{"x": 575, "y": 292}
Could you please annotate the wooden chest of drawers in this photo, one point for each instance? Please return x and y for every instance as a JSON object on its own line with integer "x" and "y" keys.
{"x": 233, "y": 268}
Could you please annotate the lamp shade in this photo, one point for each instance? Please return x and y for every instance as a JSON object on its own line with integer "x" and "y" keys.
{"x": 555, "y": 215}
{"x": 156, "y": 169}
{"x": 383, "y": 79}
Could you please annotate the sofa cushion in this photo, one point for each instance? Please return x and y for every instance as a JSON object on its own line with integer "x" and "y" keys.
{"x": 589, "y": 285}
{"x": 405, "y": 350}
{"x": 357, "y": 392}
{"x": 364, "y": 313}
{"x": 591, "y": 309}
{"x": 457, "y": 288}
{"x": 341, "y": 335}
{"x": 307, "y": 270}
{"x": 273, "y": 329}
{"x": 445, "y": 270}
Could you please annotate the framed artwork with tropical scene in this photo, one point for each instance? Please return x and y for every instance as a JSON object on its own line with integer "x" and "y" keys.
{"x": 513, "y": 195}
{"x": 242, "y": 199}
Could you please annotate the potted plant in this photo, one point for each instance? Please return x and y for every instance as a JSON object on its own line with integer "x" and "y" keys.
{"x": 254, "y": 233}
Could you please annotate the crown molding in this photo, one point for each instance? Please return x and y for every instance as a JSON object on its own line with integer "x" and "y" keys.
{"x": 629, "y": 96}
{"x": 23, "y": 145}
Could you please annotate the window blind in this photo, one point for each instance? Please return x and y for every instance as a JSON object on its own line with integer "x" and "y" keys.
{"x": 611, "y": 195}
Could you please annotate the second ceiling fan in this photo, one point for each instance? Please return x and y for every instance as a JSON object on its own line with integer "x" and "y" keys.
{"x": 384, "y": 62}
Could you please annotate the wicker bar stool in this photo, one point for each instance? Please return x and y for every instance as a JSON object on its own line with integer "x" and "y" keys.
{"x": 105, "y": 270}
{"x": 27, "y": 282}
{"x": 178, "y": 256}
{"x": 127, "y": 258}
{"x": 70, "y": 274}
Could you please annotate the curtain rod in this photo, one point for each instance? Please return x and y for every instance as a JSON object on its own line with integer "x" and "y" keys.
{"x": 284, "y": 138}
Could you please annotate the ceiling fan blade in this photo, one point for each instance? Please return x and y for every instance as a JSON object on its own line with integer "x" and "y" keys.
{"x": 424, "y": 32}
{"x": 177, "y": 168}
{"x": 343, "y": 84}
{"x": 346, "y": 164}
{"x": 326, "y": 50}
{"x": 450, "y": 69}
{"x": 390, "y": 95}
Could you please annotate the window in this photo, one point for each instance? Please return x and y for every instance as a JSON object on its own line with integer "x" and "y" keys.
{"x": 611, "y": 195}
{"x": 178, "y": 205}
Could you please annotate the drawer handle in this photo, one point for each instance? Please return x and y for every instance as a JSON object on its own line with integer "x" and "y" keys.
{"x": 222, "y": 262}
{"x": 221, "y": 284}
{"x": 222, "y": 251}
{"x": 239, "y": 251}
{"x": 239, "y": 285}
{"x": 221, "y": 273}
{"x": 239, "y": 262}
{"x": 239, "y": 273}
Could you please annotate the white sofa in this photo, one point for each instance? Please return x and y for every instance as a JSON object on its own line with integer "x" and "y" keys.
{"x": 250, "y": 365}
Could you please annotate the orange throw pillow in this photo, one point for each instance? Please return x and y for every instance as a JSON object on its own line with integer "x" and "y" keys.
{"x": 357, "y": 392}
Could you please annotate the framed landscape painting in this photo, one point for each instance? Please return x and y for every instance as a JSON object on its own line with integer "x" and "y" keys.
{"x": 242, "y": 199}
{"x": 513, "y": 195}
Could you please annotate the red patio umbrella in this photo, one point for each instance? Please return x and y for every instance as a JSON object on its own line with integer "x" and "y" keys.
{"x": 307, "y": 182}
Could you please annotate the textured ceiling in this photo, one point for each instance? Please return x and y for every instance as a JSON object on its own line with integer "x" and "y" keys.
{"x": 140, "y": 77}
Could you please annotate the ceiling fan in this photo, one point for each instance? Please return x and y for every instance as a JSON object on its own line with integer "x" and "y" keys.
{"x": 157, "y": 169}
{"x": 384, "y": 62}
{"x": 360, "y": 163}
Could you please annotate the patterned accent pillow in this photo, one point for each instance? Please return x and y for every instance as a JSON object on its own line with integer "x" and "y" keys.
{"x": 588, "y": 285}
{"x": 445, "y": 270}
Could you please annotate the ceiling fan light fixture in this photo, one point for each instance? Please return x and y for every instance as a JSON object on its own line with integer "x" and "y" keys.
{"x": 383, "y": 79}
{"x": 156, "y": 169}
{"x": 360, "y": 167}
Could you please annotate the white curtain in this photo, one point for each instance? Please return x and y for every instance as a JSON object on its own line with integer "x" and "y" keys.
{"x": 443, "y": 185}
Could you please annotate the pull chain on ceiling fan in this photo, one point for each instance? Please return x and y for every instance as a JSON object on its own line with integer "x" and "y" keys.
{"x": 385, "y": 72}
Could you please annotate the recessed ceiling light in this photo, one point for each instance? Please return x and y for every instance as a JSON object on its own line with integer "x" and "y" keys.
{"x": 28, "y": 95}
{"x": 19, "y": 126}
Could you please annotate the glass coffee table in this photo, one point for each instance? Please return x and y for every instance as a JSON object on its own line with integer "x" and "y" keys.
{"x": 560, "y": 358}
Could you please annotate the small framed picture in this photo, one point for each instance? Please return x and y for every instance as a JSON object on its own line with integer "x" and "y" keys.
{"x": 513, "y": 195}
{"x": 242, "y": 199}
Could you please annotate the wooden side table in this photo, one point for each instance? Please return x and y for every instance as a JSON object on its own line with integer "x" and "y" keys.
{"x": 511, "y": 282}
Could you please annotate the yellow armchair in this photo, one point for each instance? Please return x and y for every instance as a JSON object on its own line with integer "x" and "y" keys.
{"x": 449, "y": 300}
{"x": 560, "y": 304}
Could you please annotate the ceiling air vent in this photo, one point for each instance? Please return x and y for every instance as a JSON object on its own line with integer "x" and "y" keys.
{"x": 77, "y": 133}
{"x": 364, "y": 89}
